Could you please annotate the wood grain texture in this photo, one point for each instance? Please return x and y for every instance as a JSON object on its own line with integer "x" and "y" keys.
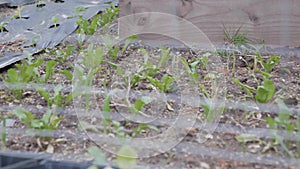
{"x": 275, "y": 21}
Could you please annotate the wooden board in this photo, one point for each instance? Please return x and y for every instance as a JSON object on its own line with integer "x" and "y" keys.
{"x": 275, "y": 21}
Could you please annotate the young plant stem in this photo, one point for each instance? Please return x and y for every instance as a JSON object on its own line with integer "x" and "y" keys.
{"x": 106, "y": 109}
{"x": 3, "y": 134}
{"x": 234, "y": 62}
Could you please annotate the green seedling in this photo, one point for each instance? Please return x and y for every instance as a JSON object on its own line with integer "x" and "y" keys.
{"x": 112, "y": 49}
{"x": 126, "y": 158}
{"x": 230, "y": 59}
{"x": 50, "y": 68}
{"x": 48, "y": 121}
{"x": 88, "y": 67}
{"x": 246, "y": 138}
{"x": 164, "y": 57}
{"x": 127, "y": 42}
{"x": 108, "y": 16}
{"x": 211, "y": 109}
{"x": 17, "y": 14}
{"x": 89, "y": 27}
{"x": 285, "y": 120}
{"x": 106, "y": 110}
{"x": 165, "y": 84}
{"x": 25, "y": 73}
{"x": 191, "y": 69}
{"x": 143, "y": 127}
{"x": 269, "y": 64}
{"x": 62, "y": 55}
{"x": 80, "y": 9}
{"x": 118, "y": 129}
{"x": 29, "y": 57}
{"x": 264, "y": 92}
{"x": 236, "y": 38}
{"x": 202, "y": 61}
{"x": 134, "y": 80}
{"x": 113, "y": 52}
{"x": 67, "y": 73}
{"x": 91, "y": 63}
{"x": 3, "y": 134}
{"x": 148, "y": 68}
{"x": 55, "y": 21}
{"x": 138, "y": 105}
{"x": 56, "y": 98}
{"x": 239, "y": 41}
{"x": 40, "y": 3}
{"x": 2, "y": 26}
{"x": 93, "y": 59}
{"x": 86, "y": 27}
{"x": 98, "y": 155}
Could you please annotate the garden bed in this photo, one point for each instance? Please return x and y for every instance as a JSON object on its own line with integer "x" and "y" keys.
{"x": 258, "y": 96}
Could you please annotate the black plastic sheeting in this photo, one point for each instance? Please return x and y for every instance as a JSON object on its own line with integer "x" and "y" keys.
{"x": 15, "y": 3}
{"x": 37, "y": 161}
{"x": 35, "y": 30}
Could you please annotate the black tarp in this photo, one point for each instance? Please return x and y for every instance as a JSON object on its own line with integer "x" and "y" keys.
{"x": 21, "y": 160}
{"x": 15, "y": 3}
{"x": 35, "y": 30}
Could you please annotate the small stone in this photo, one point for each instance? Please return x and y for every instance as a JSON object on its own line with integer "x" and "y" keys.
{"x": 39, "y": 106}
{"x": 204, "y": 165}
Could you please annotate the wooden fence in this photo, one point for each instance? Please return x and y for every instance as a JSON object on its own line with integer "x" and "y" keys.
{"x": 277, "y": 22}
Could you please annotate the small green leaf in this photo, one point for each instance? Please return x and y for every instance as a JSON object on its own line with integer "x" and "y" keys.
{"x": 155, "y": 82}
{"x": 271, "y": 122}
{"x": 80, "y": 9}
{"x": 106, "y": 110}
{"x": 37, "y": 63}
{"x": 265, "y": 92}
{"x": 50, "y": 68}
{"x": 57, "y": 90}
{"x": 138, "y": 105}
{"x": 194, "y": 65}
{"x": 153, "y": 128}
{"x": 45, "y": 94}
{"x": 167, "y": 82}
{"x": 99, "y": 156}
{"x": 186, "y": 65}
{"x": 69, "y": 98}
{"x": 126, "y": 158}
{"x": 54, "y": 121}
{"x": 37, "y": 124}
{"x": 164, "y": 57}
{"x": 54, "y": 19}
{"x": 134, "y": 80}
{"x": 127, "y": 41}
{"x": 23, "y": 115}
{"x": 247, "y": 89}
{"x": 67, "y": 73}
{"x": 271, "y": 63}
{"x": 284, "y": 113}
{"x": 46, "y": 117}
{"x": 262, "y": 94}
{"x": 12, "y": 76}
